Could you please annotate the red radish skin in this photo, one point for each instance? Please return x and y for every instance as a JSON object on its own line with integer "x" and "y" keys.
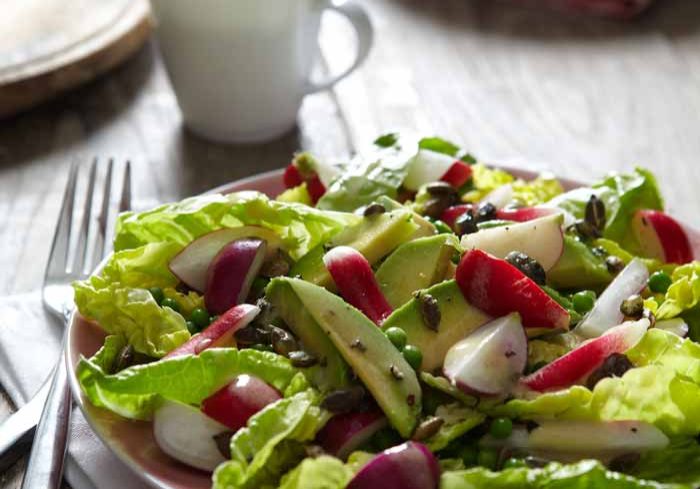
{"x": 235, "y": 403}
{"x": 576, "y": 365}
{"x": 316, "y": 188}
{"x": 231, "y": 274}
{"x": 450, "y": 215}
{"x": 523, "y": 214}
{"x": 219, "y": 333}
{"x": 191, "y": 263}
{"x": 355, "y": 280}
{"x": 458, "y": 174}
{"x": 292, "y": 176}
{"x": 662, "y": 237}
{"x": 498, "y": 288}
{"x": 407, "y": 466}
{"x": 344, "y": 433}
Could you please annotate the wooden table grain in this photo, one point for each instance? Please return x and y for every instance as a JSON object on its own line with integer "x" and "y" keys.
{"x": 578, "y": 96}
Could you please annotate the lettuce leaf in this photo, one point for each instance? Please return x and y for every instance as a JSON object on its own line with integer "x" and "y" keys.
{"x": 132, "y": 313}
{"x": 459, "y": 420}
{"x": 300, "y": 227}
{"x": 679, "y": 463}
{"x": 486, "y": 179}
{"x": 371, "y": 174}
{"x": 298, "y": 194}
{"x": 663, "y": 390}
{"x": 135, "y": 392}
{"x": 623, "y": 194}
{"x": 656, "y": 394}
{"x": 684, "y": 292}
{"x": 587, "y": 474}
{"x": 271, "y": 443}
{"x": 323, "y": 472}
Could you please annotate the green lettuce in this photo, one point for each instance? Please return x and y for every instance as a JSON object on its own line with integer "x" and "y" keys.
{"x": 323, "y": 472}
{"x": 623, "y": 194}
{"x": 684, "y": 292}
{"x": 131, "y": 313}
{"x": 458, "y": 420}
{"x": 537, "y": 191}
{"x": 587, "y": 474}
{"x": 136, "y": 391}
{"x": 663, "y": 390}
{"x": 679, "y": 463}
{"x": 300, "y": 227}
{"x": 372, "y": 174}
{"x": 272, "y": 442}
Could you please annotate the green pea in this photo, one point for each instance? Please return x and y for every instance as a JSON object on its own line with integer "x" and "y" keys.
{"x": 192, "y": 327}
{"x": 659, "y": 282}
{"x": 261, "y": 347}
{"x": 397, "y": 336}
{"x": 514, "y": 463}
{"x": 583, "y": 301}
{"x": 487, "y": 458}
{"x": 157, "y": 294}
{"x": 501, "y": 428}
{"x": 413, "y": 356}
{"x": 469, "y": 455}
{"x": 171, "y": 303}
{"x": 200, "y": 317}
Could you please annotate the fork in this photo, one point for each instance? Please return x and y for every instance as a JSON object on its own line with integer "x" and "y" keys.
{"x": 45, "y": 468}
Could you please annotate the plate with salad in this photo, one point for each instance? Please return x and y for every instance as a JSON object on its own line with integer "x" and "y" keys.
{"x": 411, "y": 318}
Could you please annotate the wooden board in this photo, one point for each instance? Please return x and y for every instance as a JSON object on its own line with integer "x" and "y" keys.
{"x": 49, "y": 46}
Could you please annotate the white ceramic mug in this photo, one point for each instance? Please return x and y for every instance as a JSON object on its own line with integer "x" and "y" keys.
{"x": 240, "y": 68}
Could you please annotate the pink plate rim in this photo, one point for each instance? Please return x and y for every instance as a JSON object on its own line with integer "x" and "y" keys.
{"x": 131, "y": 441}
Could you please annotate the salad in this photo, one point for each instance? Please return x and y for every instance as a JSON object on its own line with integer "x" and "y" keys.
{"x": 411, "y": 319}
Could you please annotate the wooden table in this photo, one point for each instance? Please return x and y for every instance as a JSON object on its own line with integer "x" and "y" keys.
{"x": 578, "y": 96}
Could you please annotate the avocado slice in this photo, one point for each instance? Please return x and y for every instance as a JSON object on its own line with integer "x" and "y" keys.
{"x": 458, "y": 319}
{"x": 426, "y": 228}
{"x": 578, "y": 267}
{"x": 375, "y": 237}
{"x": 416, "y": 265}
{"x": 375, "y": 360}
{"x": 332, "y": 371}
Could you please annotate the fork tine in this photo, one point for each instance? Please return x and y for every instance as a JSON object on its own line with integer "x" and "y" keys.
{"x": 79, "y": 264}
{"x": 58, "y": 256}
{"x": 100, "y": 248}
{"x": 125, "y": 201}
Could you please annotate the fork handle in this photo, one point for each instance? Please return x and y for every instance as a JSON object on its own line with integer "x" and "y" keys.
{"x": 45, "y": 468}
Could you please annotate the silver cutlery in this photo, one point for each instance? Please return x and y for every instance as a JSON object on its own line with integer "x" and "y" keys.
{"x": 45, "y": 467}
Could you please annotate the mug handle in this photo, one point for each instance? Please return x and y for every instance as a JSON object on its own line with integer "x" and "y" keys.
{"x": 359, "y": 19}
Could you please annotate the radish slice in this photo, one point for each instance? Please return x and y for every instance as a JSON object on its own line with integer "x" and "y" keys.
{"x": 427, "y": 166}
{"x": 457, "y": 174}
{"x": 489, "y": 361}
{"x": 578, "y": 364}
{"x": 345, "y": 432}
{"x": 187, "y": 435}
{"x": 355, "y": 280}
{"x": 407, "y": 466}
{"x": 231, "y": 274}
{"x": 499, "y": 197}
{"x": 236, "y": 402}
{"x": 606, "y": 311}
{"x": 522, "y": 214}
{"x": 675, "y": 326}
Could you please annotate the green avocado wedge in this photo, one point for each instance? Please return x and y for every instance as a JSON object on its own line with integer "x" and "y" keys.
{"x": 380, "y": 366}
{"x": 578, "y": 267}
{"x": 416, "y": 265}
{"x": 375, "y": 237}
{"x": 458, "y": 319}
{"x": 332, "y": 372}
{"x": 425, "y": 227}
